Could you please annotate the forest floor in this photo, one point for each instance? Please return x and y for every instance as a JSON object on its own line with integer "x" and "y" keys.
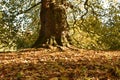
{"x": 54, "y": 64}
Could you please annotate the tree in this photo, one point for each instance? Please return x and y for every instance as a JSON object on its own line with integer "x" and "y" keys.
{"x": 54, "y": 25}
{"x": 17, "y": 19}
{"x": 57, "y": 25}
{"x": 111, "y": 34}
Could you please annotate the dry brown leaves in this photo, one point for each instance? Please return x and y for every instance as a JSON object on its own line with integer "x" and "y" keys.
{"x": 50, "y": 64}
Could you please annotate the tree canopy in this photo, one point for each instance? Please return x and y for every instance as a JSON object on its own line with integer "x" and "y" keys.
{"x": 94, "y": 24}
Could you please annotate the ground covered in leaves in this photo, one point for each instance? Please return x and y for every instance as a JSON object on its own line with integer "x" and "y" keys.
{"x": 69, "y": 64}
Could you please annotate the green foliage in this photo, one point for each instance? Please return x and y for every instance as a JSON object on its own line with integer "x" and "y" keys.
{"x": 98, "y": 30}
{"x": 26, "y": 39}
{"x": 92, "y": 26}
{"x": 16, "y": 19}
{"x": 1, "y": 15}
{"x": 112, "y": 35}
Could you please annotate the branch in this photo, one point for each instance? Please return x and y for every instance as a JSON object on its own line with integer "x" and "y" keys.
{"x": 86, "y": 8}
{"x": 28, "y": 9}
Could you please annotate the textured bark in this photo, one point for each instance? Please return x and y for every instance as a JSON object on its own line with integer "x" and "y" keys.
{"x": 54, "y": 24}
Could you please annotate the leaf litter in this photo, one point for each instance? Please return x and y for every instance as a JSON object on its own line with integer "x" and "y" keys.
{"x": 49, "y": 64}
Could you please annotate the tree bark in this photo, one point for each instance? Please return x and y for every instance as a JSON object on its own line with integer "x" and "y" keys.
{"x": 54, "y": 25}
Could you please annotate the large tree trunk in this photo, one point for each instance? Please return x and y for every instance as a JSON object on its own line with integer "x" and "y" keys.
{"x": 54, "y": 26}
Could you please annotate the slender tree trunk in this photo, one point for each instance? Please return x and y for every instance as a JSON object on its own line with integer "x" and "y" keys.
{"x": 54, "y": 26}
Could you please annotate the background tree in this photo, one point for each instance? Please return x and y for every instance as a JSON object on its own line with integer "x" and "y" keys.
{"x": 18, "y": 20}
